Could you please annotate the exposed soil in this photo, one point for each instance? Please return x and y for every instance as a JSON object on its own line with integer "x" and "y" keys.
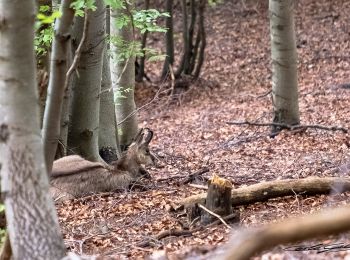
{"x": 191, "y": 133}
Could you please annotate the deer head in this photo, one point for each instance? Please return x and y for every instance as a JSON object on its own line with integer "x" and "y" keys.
{"x": 137, "y": 154}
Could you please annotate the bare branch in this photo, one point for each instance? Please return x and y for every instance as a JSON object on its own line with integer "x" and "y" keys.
{"x": 215, "y": 215}
{"x": 78, "y": 50}
{"x": 292, "y": 127}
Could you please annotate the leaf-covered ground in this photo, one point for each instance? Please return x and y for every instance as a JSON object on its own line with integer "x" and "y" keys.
{"x": 191, "y": 132}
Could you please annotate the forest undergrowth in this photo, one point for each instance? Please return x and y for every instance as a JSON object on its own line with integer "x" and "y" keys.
{"x": 191, "y": 133}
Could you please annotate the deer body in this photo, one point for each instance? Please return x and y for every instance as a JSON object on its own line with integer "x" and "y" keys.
{"x": 74, "y": 177}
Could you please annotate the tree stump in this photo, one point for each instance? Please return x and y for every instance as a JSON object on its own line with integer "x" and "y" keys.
{"x": 218, "y": 199}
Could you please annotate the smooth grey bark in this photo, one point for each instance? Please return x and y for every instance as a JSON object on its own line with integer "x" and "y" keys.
{"x": 169, "y": 38}
{"x": 56, "y": 88}
{"x": 123, "y": 79}
{"x": 65, "y": 113}
{"x": 107, "y": 140}
{"x": 284, "y": 62}
{"x": 30, "y": 212}
{"x": 85, "y": 107}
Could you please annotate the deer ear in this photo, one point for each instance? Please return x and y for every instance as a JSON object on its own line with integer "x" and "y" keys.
{"x": 139, "y": 136}
{"x": 148, "y": 136}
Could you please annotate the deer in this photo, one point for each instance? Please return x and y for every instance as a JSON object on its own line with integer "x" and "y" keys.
{"x": 74, "y": 177}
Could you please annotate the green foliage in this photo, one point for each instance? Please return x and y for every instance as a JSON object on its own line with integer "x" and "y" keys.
{"x": 145, "y": 20}
{"x": 2, "y": 236}
{"x": 213, "y": 3}
{"x": 45, "y": 23}
{"x": 153, "y": 55}
{"x": 79, "y": 6}
{"x": 43, "y": 39}
{"x": 142, "y": 20}
{"x": 116, "y": 4}
{"x": 44, "y": 29}
{"x": 126, "y": 50}
{"x": 123, "y": 20}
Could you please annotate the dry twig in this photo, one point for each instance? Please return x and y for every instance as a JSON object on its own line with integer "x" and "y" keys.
{"x": 215, "y": 215}
{"x": 292, "y": 127}
{"x": 78, "y": 50}
{"x": 189, "y": 177}
{"x": 183, "y": 232}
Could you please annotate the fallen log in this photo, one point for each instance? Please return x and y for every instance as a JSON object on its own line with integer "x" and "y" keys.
{"x": 248, "y": 243}
{"x": 273, "y": 189}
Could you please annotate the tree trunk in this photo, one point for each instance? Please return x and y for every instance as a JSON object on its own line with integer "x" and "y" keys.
{"x": 141, "y": 71}
{"x": 84, "y": 121}
{"x": 6, "y": 250}
{"x": 201, "y": 38}
{"x": 169, "y": 39}
{"x": 107, "y": 140}
{"x": 123, "y": 78}
{"x": 32, "y": 221}
{"x": 59, "y": 67}
{"x": 284, "y": 63}
{"x": 184, "y": 63}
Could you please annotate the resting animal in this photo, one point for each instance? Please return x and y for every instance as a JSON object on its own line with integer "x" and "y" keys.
{"x": 74, "y": 177}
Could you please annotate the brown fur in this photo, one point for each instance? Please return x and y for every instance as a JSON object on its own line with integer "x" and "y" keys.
{"x": 73, "y": 176}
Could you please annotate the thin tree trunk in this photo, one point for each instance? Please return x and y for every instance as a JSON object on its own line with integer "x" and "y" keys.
{"x": 59, "y": 67}
{"x": 195, "y": 46}
{"x": 141, "y": 70}
{"x": 123, "y": 79}
{"x": 184, "y": 59}
{"x": 169, "y": 39}
{"x": 202, "y": 36}
{"x": 30, "y": 213}
{"x": 84, "y": 121}
{"x": 284, "y": 63}
{"x": 65, "y": 114}
{"x": 107, "y": 139}
{"x": 6, "y": 250}
{"x": 193, "y": 6}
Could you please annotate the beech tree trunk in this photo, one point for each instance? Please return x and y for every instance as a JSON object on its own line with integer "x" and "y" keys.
{"x": 85, "y": 108}
{"x": 30, "y": 213}
{"x": 107, "y": 139}
{"x": 169, "y": 38}
{"x": 59, "y": 67}
{"x": 123, "y": 77}
{"x": 284, "y": 63}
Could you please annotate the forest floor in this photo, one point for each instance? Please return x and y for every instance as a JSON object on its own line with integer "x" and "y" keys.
{"x": 191, "y": 133}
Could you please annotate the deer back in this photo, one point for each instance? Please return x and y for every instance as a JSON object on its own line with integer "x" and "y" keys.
{"x": 72, "y": 164}
{"x": 85, "y": 178}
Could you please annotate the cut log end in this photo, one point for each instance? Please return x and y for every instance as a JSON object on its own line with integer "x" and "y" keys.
{"x": 218, "y": 199}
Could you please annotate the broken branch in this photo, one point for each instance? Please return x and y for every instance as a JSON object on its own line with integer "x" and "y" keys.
{"x": 183, "y": 232}
{"x": 291, "y": 127}
{"x": 215, "y": 215}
